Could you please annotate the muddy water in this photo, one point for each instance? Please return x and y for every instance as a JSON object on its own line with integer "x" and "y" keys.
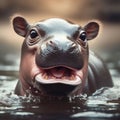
{"x": 104, "y": 104}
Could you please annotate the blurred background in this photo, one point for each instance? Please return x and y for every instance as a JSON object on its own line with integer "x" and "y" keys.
{"x": 107, "y": 44}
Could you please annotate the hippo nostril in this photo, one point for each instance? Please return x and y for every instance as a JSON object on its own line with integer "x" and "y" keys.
{"x": 51, "y": 43}
{"x": 51, "y": 46}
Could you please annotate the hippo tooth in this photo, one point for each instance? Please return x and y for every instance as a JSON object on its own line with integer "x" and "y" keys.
{"x": 72, "y": 77}
{"x": 45, "y": 76}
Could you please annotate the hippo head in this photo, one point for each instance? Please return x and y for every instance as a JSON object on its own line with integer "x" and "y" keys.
{"x": 54, "y": 57}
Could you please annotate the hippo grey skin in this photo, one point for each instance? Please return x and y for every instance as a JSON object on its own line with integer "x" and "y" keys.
{"x": 55, "y": 59}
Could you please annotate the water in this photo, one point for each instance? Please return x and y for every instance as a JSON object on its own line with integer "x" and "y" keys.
{"x": 104, "y": 104}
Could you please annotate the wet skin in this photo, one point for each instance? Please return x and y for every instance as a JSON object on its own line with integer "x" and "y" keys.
{"x": 56, "y": 61}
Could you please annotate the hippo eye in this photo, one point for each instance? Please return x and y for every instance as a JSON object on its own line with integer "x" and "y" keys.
{"x": 34, "y": 37}
{"x": 33, "y": 34}
{"x": 83, "y": 36}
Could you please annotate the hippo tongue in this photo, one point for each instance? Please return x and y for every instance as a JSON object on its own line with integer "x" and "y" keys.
{"x": 58, "y": 72}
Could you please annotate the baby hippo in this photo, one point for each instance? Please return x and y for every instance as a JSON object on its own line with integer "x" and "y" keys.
{"x": 56, "y": 61}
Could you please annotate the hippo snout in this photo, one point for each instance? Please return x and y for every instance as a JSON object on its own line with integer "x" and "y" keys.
{"x": 59, "y": 53}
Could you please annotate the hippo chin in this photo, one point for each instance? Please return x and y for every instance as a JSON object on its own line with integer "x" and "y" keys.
{"x": 56, "y": 61}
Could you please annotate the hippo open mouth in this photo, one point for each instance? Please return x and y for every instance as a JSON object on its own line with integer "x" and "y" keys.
{"x": 58, "y": 80}
{"x": 59, "y": 74}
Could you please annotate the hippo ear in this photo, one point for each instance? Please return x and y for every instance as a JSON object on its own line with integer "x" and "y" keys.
{"x": 92, "y": 30}
{"x": 20, "y": 25}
